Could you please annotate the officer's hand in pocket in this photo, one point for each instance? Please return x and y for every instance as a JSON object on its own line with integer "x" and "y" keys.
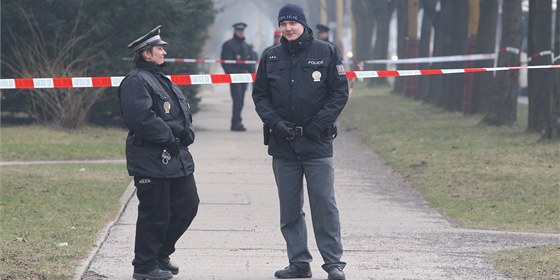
{"x": 283, "y": 130}
{"x": 312, "y": 131}
{"x": 187, "y": 138}
{"x": 173, "y": 147}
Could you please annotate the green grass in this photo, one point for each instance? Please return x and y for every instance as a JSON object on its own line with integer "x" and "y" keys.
{"x": 45, "y": 207}
{"x": 44, "y": 143}
{"x": 530, "y": 263}
{"x": 479, "y": 176}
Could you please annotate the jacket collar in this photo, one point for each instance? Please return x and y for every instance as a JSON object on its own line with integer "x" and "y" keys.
{"x": 300, "y": 43}
{"x": 150, "y": 66}
{"x": 237, "y": 38}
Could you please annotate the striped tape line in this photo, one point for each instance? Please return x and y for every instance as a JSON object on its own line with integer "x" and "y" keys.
{"x": 540, "y": 54}
{"x": 198, "y": 60}
{"x": 88, "y": 82}
{"x": 433, "y": 59}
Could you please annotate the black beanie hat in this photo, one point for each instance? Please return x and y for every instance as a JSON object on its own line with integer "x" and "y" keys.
{"x": 293, "y": 12}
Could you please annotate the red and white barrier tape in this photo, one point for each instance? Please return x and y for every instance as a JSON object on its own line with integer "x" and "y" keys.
{"x": 449, "y": 58}
{"x": 201, "y": 60}
{"x": 539, "y": 54}
{"x": 88, "y": 82}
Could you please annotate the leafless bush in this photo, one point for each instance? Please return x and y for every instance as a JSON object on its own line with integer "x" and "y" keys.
{"x": 40, "y": 57}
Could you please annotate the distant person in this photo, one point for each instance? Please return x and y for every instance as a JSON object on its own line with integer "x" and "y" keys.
{"x": 275, "y": 39}
{"x": 160, "y": 130}
{"x": 323, "y": 32}
{"x": 254, "y": 57}
{"x": 300, "y": 90}
{"x": 237, "y": 49}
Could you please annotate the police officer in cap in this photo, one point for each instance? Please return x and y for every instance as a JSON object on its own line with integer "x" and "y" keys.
{"x": 237, "y": 49}
{"x": 160, "y": 130}
{"x": 322, "y": 32}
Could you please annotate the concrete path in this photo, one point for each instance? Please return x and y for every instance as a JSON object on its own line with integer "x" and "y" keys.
{"x": 388, "y": 230}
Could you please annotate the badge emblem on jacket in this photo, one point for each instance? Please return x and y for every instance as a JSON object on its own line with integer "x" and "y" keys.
{"x": 166, "y": 107}
{"x": 316, "y": 76}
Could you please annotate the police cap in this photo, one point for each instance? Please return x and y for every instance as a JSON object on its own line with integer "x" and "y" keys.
{"x": 240, "y": 25}
{"x": 322, "y": 28}
{"x": 150, "y": 39}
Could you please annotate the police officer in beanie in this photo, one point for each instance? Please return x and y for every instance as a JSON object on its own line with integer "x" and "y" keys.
{"x": 300, "y": 90}
{"x": 237, "y": 49}
{"x": 160, "y": 130}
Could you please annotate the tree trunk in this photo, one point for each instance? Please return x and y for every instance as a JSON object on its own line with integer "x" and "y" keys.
{"x": 457, "y": 18}
{"x": 440, "y": 29}
{"x": 402, "y": 17}
{"x": 364, "y": 28}
{"x": 424, "y": 51}
{"x": 503, "y": 105}
{"x": 382, "y": 14}
{"x": 412, "y": 47}
{"x": 553, "y": 129}
{"x": 485, "y": 43}
{"x": 540, "y": 82}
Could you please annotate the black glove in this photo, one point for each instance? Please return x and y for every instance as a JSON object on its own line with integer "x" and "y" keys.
{"x": 283, "y": 130}
{"x": 187, "y": 137}
{"x": 312, "y": 130}
{"x": 173, "y": 147}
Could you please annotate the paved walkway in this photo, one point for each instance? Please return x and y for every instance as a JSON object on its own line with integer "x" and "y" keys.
{"x": 388, "y": 230}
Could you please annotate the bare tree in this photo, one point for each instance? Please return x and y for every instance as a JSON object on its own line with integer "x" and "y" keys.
{"x": 382, "y": 11}
{"x": 540, "y": 82}
{"x": 402, "y": 27}
{"x": 364, "y": 28}
{"x": 503, "y": 104}
{"x": 553, "y": 129}
{"x": 424, "y": 50}
{"x": 485, "y": 43}
{"x": 53, "y": 57}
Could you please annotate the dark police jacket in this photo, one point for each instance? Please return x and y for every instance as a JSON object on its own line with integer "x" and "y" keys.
{"x": 236, "y": 49}
{"x": 301, "y": 81}
{"x": 155, "y": 112}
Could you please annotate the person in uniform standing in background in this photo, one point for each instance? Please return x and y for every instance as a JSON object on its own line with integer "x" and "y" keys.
{"x": 237, "y": 49}
{"x": 299, "y": 92}
{"x": 160, "y": 130}
{"x": 322, "y": 32}
{"x": 275, "y": 38}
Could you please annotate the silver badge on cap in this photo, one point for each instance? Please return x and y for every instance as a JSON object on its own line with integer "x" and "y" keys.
{"x": 316, "y": 76}
{"x": 166, "y": 107}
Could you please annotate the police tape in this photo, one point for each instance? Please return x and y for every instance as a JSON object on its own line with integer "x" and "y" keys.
{"x": 433, "y": 59}
{"x": 540, "y": 54}
{"x": 446, "y": 58}
{"x": 208, "y": 79}
{"x": 202, "y": 60}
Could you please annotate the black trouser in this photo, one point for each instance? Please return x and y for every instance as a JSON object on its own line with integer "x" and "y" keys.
{"x": 166, "y": 209}
{"x": 237, "y": 96}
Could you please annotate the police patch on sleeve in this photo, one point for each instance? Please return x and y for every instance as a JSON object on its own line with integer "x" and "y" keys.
{"x": 340, "y": 69}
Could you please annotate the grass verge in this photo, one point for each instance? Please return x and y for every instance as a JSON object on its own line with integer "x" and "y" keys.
{"x": 50, "y": 214}
{"x": 479, "y": 176}
{"x": 33, "y": 142}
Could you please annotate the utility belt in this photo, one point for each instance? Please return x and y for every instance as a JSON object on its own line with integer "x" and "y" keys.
{"x": 331, "y": 131}
{"x": 298, "y": 130}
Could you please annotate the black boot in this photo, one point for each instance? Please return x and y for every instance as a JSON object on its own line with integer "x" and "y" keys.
{"x": 293, "y": 271}
{"x": 166, "y": 264}
{"x": 336, "y": 273}
{"x": 155, "y": 274}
